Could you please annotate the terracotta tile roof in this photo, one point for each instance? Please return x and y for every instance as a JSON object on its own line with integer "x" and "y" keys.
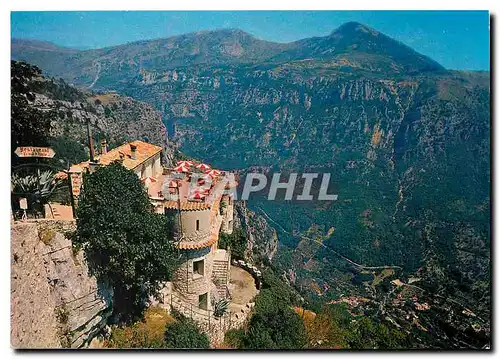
{"x": 144, "y": 151}
{"x": 197, "y": 245}
{"x": 187, "y": 206}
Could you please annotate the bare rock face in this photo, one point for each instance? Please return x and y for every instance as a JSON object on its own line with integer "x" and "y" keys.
{"x": 262, "y": 238}
{"x": 67, "y": 302}
{"x": 33, "y": 320}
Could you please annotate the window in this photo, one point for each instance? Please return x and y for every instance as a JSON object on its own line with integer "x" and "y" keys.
{"x": 203, "y": 301}
{"x": 197, "y": 224}
{"x": 198, "y": 268}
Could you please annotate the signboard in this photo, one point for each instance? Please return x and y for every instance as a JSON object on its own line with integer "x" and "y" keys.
{"x": 30, "y": 151}
{"x": 23, "y": 203}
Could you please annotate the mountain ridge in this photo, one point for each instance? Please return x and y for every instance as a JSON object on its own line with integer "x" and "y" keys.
{"x": 352, "y": 45}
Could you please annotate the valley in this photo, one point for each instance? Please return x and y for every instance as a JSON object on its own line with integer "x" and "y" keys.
{"x": 407, "y": 143}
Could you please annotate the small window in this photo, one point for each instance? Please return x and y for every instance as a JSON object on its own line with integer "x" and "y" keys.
{"x": 198, "y": 267}
{"x": 203, "y": 301}
{"x": 197, "y": 224}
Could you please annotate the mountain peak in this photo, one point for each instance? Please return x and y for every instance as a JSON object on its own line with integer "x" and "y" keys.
{"x": 356, "y": 38}
{"x": 354, "y": 27}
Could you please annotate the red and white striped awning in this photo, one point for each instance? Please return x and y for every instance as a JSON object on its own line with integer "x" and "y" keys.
{"x": 184, "y": 163}
{"x": 172, "y": 184}
{"x": 213, "y": 173}
{"x": 198, "y": 195}
{"x": 203, "y": 166}
{"x": 181, "y": 168}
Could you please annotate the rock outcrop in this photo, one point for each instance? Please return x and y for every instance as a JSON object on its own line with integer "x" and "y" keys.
{"x": 55, "y": 302}
{"x": 262, "y": 238}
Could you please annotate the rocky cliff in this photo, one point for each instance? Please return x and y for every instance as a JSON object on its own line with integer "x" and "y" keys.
{"x": 116, "y": 118}
{"x": 262, "y": 238}
{"x": 54, "y": 301}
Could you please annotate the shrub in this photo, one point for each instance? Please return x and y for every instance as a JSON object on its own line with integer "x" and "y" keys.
{"x": 185, "y": 334}
{"x": 234, "y": 338}
{"x": 148, "y": 333}
{"x": 274, "y": 324}
{"x": 237, "y": 241}
{"x": 275, "y": 327}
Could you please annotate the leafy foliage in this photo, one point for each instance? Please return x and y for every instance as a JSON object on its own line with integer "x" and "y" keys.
{"x": 185, "y": 334}
{"x": 367, "y": 334}
{"x": 234, "y": 338}
{"x": 274, "y": 324}
{"x": 29, "y": 126}
{"x": 237, "y": 241}
{"x": 125, "y": 243}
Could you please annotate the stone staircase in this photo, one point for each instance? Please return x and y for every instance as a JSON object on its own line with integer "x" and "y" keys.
{"x": 221, "y": 272}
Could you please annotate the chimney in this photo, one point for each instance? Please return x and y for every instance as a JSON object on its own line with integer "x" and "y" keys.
{"x": 104, "y": 150}
{"x": 122, "y": 157}
{"x": 133, "y": 149}
{"x": 91, "y": 141}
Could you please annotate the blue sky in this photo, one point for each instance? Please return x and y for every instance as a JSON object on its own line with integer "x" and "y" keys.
{"x": 457, "y": 40}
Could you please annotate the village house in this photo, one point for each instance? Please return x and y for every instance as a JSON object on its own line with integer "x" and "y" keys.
{"x": 200, "y": 202}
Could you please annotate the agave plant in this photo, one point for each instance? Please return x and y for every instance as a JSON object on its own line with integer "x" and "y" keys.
{"x": 36, "y": 187}
{"x": 221, "y": 307}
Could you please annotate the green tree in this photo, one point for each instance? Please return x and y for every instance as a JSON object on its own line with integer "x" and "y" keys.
{"x": 277, "y": 327}
{"x": 125, "y": 243}
{"x": 29, "y": 125}
{"x": 367, "y": 334}
{"x": 274, "y": 324}
{"x": 237, "y": 241}
{"x": 185, "y": 334}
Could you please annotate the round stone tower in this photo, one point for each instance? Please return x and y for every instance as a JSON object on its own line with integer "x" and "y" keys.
{"x": 197, "y": 243}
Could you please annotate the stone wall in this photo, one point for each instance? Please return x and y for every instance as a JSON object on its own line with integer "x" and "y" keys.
{"x": 214, "y": 327}
{"x": 188, "y": 284}
{"x": 54, "y": 301}
{"x": 188, "y": 221}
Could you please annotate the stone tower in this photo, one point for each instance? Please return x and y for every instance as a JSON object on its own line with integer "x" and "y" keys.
{"x": 204, "y": 273}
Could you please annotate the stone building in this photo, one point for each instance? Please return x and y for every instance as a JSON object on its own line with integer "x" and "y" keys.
{"x": 203, "y": 276}
{"x": 200, "y": 212}
{"x": 141, "y": 157}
